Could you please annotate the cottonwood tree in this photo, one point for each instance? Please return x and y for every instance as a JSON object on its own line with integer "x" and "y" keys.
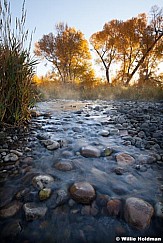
{"x": 104, "y": 43}
{"x": 68, "y": 51}
{"x": 152, "y": 40}
{"x": 135, "y": 45}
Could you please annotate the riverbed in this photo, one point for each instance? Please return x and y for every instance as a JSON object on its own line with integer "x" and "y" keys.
{"x": 115, "y": 148}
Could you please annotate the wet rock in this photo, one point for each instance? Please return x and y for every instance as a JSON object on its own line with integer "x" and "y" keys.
{"x": 53, "y": 146}
{"x": 20, "y": 195}
{"x": 42, "y": 181}
{"x": 159, "y": 209}
{"x": 11, "y": 157}
{"x": 114, "y": 207}
{"x": 94, "y": 209}
{"x": 113, "y": 131}
{"x": 82, "y": 192}
{"x": 63, "y": 166}
{"x": 50, "y": 144}
{"x": 86, "y": 210}
{"x": 99, "y": 175}
{"x": 62, "y": 197}
{"x": 119, "y": 170}
{"x": 146, "y": 159}
{"x": 33, "y": 211}
{"x": 124, "y": 159}
{"x": 71, "y": 202}
{"x": 90, "y": 151}
{"x": 10, "y": 210}
{"x": 44, "y": 194}
{"x": 104, "y": 133}
{"x": 138, "y": 212}
{"x": 131, "y": 179}
{"x": 107, "y": 152}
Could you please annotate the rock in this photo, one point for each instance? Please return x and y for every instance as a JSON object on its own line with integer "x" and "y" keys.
{"x": 62, "y": 197}
{"x": 94, "y": 209}
{"x": 11, "y": 157}
{"x": 119, "y": 170}
{"x": 44, "y": 194}
{"x": 42, "y": 181}
{"x": 90, "y": 151}
{"x": 82, "y": 192}
{"x": 49, "y": 142}
{"x": 159, "y": 209}
{"x": 124, "y": 159}
{"x": 18, "y": 153}
{"x": 64, "y": 166}
{"x": 86, "y": 210}
{"x": 99, "y": 175}
{"x": 11, "y": 209}
{"x": 102, "y": 200}
{"x": 107, "y": 152}
{"x": 34, "y": 113}
{"x": 113, "y": 131}
{"x": 104, "y": 133}
{"x": 138, "y": 212}
{"x": 114, "y": 207}
{"x": 146, "y": 159}
{"x": 33, "y": 211}
{"x": 53, "y": 146}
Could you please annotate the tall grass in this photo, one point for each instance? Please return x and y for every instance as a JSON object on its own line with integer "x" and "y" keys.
{"x": 56, "y": 90}
{"x": 16, "y": 68}
{"x": 51, "y": 90}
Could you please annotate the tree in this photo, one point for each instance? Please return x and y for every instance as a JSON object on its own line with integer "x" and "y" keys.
{"x": 68, "y": 51}
{"x": 151, "y": 39}
{"x": 104, "y": 43}
{"x": 133, "y": 45}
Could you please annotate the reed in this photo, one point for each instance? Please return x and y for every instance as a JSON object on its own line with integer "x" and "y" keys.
{"x": 16, "y": 68}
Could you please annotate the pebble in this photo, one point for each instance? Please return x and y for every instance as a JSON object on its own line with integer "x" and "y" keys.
{"x": 11, "y": 157}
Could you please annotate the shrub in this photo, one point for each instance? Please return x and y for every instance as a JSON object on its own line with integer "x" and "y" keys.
{"x": 16, "y": 69}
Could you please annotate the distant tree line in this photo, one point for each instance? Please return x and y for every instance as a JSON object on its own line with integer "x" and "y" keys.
{"x": 133, "y": 46}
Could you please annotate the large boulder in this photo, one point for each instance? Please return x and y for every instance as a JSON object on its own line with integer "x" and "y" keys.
{"x": 138, "y": 212}
{"x": 82, "y": 192}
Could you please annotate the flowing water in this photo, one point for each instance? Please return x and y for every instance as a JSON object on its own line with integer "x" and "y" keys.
{"x": 75, "y": 125}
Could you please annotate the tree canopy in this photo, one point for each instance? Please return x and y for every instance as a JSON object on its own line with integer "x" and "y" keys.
{"x": 134, "y": 45}
{"x": 69, "y": 53}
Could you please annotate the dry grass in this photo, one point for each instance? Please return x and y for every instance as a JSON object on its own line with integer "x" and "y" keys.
{"x": 51, "y": 90}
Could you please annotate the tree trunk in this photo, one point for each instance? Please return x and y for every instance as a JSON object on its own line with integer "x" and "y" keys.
{"x": 107, "y": 75}
{"x": 143, "y": 58}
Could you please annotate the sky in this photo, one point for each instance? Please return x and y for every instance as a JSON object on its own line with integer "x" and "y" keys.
{"x": 88, "y": 16}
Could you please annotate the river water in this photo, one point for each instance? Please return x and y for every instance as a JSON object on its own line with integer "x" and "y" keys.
{"x": 122, "y": 127}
